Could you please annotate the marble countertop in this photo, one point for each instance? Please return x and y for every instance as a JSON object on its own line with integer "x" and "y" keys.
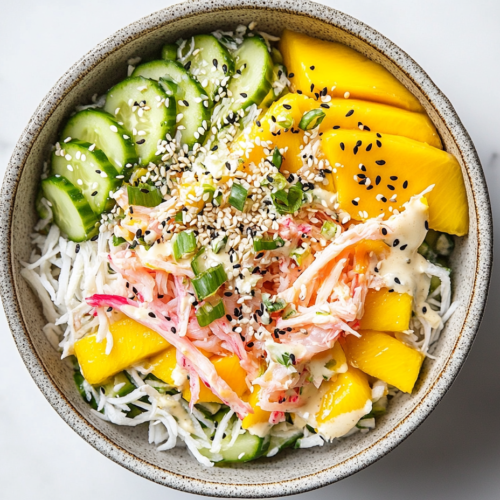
{"x": 456, "y": 452}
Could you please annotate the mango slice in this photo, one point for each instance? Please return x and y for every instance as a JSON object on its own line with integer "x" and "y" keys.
{"x": 384, "y": 357}
{"x": 318, "y": 64}
{"x": 229, "y": 369}
{"x": 164, "y": 364}
{"x": 374, "y": 172}
{"x": 132, "y": 342}
{"x": 354, "y": 114}
{"x": 259, "y": 416}
{"x": 346, "y": 400}
{"x": 386, "y": 311}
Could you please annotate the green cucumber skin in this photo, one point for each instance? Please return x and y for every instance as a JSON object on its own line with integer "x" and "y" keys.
{"x": 166, "y": 125}
{"x": 59, "y": 166}
{"x": 88, "y": 219}
{"x": 257, "y": 93}
{"x": 211, "y": 49}
{"x": 169, "y": 52}
{"x": 190, "y": 88}
{"x": 73, "y": 129}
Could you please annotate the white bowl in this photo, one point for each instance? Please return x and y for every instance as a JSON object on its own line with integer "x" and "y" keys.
{"x": 293, "y": 471}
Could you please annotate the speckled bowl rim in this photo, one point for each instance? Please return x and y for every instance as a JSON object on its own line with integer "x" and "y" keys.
{"x": 464, "y": 340}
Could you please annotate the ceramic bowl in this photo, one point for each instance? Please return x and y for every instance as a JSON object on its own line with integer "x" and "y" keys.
{"x": 293, "y": 471}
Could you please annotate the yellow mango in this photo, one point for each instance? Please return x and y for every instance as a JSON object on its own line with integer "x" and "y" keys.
{"x": 164, "y": 364}
{"x": 259, "y": 416}
{"x": 345, "y": 400}
{"x": 393, "y": 169}
{"x": 386, "y": 311}
{"x": 191, "y": 195}
{"x": 230, "y": 370}
{"x": 354, "y": 114}
{"x": 316, "y": 64}
{"x": 384, "y": 357}
{"x": 363, "y": 252}
{"x": 132, "y": 342}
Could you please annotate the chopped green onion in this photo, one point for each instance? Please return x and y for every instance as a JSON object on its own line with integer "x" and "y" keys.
{"x": 300, "y": 255}
{"x": 118, "y": 241}
{"x": 311, "y": 119}
{"x": 277, "y": 158}
{"x": 238, "y": 196}
{"x": 261, "y": 244}
{"x": 285, "y": 120}
{"x": 278, "y": 181}
{"x": 217, "y": 200}
{"x": 289, "y": 312}
{"x": 209, "y": 281}
{"x": 284, "y": 359}
{"x": 184, "y": 244}
{"x": 219, "y": 245}
{"x": 209, "y": 313}
{"x": 208, "y": 188}
{"x": 288, "y": 203}
{"x": 272, "y": 307}
{"x": 179, "y": 217}
{"x": 144, "y": 195}
{"x": 197, "y": 263}
{"x": 329, "y": 230}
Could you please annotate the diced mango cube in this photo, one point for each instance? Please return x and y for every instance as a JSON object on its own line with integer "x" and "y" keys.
{"x": 386, "y": 311}
{"x": 384, "y": 357}
{"x": 259, "y": 416}
{"x": 230, "y": 370}
{"x": 132, "y": 342}
{"x": 344, "y": 72}
{"x": 345, "y": 400}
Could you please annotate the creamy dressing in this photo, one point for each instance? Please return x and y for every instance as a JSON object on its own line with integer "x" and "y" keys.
{"x": 174, "y": 407}
{"x": 319, "y": 371}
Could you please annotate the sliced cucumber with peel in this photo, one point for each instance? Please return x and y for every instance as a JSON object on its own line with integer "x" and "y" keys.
{"x": 210, "y": 62}
{"x": 272, "y": 96}
{"x": 254, "y": 74}
{"x": 246, "y": 447}
{"x": 119, "y": 386}
{"x": 89, "y": 171}
{"x": 195, "y": 114}
{"x": 71, "y": 211}
{"x": 283, "y": 440}
{"x": 98, "y": 127}
{"x": 142, "y": 105}
{"x": 169, "y": 52}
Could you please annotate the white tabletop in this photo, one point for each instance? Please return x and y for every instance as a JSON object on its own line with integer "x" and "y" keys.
{"x": 455, "y": 454}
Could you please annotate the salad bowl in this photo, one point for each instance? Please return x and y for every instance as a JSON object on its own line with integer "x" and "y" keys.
{"x": 294, "y": 471}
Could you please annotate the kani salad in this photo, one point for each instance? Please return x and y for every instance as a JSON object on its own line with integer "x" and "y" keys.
{"x": 245, "y": 244}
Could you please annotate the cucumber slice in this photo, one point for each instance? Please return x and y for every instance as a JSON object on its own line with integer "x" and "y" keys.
{"x": 97, "y": 127}
{"x": 89, "y": 171}
{"x": 444, "y": 244}
{"x": 254, "y": 74}
{"x": 246, "y": 447}
{"x": 71, "y": 211}
{"x": 119, "y": 386}
{"x": 196, "y": 115}
{"x": 283, "y": 440}
{"x": 169, "y": 52}
{"x": 144, "y": 108}
{"x": 210, "y": 63}
{"x": 42, "y": 210}
{"x": 272, "y": 96}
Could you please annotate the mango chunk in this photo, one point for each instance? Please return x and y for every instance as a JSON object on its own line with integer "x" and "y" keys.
{"x": 318, "y": 64}
{"x": 386, "y": 311}
{"x": 384, "y": 357}
{"x": 230, "y": 370}
{"x": 259, "y": 416}
{"x": 132, "y": 342}
{"x": 345, "y": 401}
{"x": 374, "y": 172}
{"x": 164, "y": 364}
{"x": 354, "y": 114}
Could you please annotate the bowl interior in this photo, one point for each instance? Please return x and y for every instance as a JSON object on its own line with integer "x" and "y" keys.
{"x": 131, "y": 446}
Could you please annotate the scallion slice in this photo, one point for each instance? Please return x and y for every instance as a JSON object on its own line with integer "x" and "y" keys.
{"x": 144, "y": 195}
{"x": 300, "y": 255}
{"x": 219, "y": 245}
{"x": 208, "y": 188}
{"x": 179, "y": 217}
{"x": 277, "y": 158}
{"x": 238, "y": 196}
{"x": 209, "y": 313}
{"x": 118, "y": 241}
{"x": 184, "y": 244}
{"x": 197, "y": 262}
{"x": 329, "y": 230}
{"x": 311, "y": 119}
{"x": 261, "y": 244}
{"x": 277, "y": 180}
{"x": 272, "y": 307}
{"x": 288, "y": 202}
{"x": 209, "y": 281}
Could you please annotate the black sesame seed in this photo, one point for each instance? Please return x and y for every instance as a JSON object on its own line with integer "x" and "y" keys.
{"x": 152, "y": 315}
{"x": 94, "y": 238}
{"x": 362, "y": 167}
{"x": 335, "y": 127}
{"x": 291, "y": 75}
{"x": 312, "y": 67}
{"x": 228, "y": 294}
{"x": 361, "y": 176}
{"x": 187, "y": 65}
{"x": 77, "y": 248}
{"x": 369, "y": 147}
{"x": 168, "y": 318}
{"x": 380, "y": 162}
{"x": 379, "y": 144}
{"x": 215, "y": 62}
{"x": 405, "y": 184}
{"x": 323, "y": 105}
{"x": 395, "y": 243}
{"x": 342, "y": 147}
{"x": 397, "y": 281}
{"x": 378, "y": 179}
{"x": 299, "y": 91}
{"x": 250, "y": 344}
{"x": 384, "y": 231}
{"x": 349, "y": 113}
{"x": 403, "y": 247}
{"x": 378, "y": 135}
{"x": 94, "y": 193}
{"x": 376, "y": 269}
{"x": 424, "y": 309}
{"x": 229, "y": 317}
{"x": 355, "y": 203}
{"x": 391, "y": 187}
{"x": 134, "y": 289}
{"x": 186, "y": 103}
{"x": 236, "y": 266}
{"x": 173, "y": 329}
{"x": 369, "y": 187}
{"x": 384, "y": 199}
{"x": 141, "y": 141}
{"x": 312, "y": 87}
{"x": 224, "y": 68}
{"x": 355, "y": 150}
{"x": 394, "y": 177}
{"x": 269, "y": 178}
{"x": 426, "y": 225}
{"x": 367, "y": 128}
{"x": 287, "y": 106}
{"x": 391, "y": 290}
{"x": 215, "y": 148}
{"x": 243, "y": 94}
{"x": 109, "y": 309}
{"x": 259, "y": 255}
